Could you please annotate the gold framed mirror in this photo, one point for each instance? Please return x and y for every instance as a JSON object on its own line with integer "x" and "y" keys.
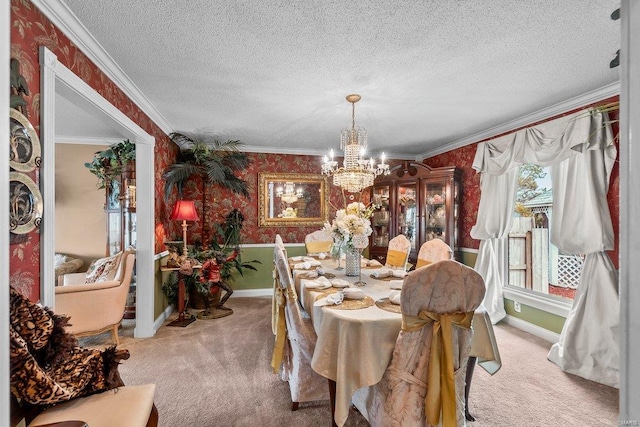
{"x": 293, "y": 199}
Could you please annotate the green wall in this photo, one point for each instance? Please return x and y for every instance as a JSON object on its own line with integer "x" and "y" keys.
{"x": 543, "y": 319}
{"x": 263, "y": 279}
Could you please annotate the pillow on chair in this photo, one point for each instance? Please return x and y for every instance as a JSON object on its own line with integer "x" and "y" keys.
{"x": 103, "y": 269}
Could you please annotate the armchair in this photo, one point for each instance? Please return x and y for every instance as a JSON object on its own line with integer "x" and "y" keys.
{"x": 54, "y": 380}
{"x": 96, "y": 307}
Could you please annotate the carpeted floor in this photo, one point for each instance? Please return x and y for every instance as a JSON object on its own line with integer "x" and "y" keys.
{"x": 217, "y": 373}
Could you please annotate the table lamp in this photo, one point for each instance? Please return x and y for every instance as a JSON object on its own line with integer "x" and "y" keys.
{"x": 184, "y": 210}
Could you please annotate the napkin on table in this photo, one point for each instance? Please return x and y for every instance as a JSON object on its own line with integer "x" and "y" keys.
{"x": 302, "y": 265}
{"x": 398, "y": 273}
{"x": 340, "y": 283}
{"x": 394, "y": 297}
{"x": 331, "y": 299}
{"x": 353, "y": 293}
{"x": 319, "y": 283}
{"x": 374, "y": 263}
{"x": 396, "y": 284}
{"x": 381, "y": 272}
{"x": 296, "y": 258}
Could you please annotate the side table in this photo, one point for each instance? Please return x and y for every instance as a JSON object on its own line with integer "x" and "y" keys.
{"x": 184, "y": 319}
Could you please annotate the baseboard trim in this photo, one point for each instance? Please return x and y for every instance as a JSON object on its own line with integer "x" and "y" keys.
{"x": 536, "y": 330}
{"x": 162, "y": 318}
{"x": 263, "y": 292}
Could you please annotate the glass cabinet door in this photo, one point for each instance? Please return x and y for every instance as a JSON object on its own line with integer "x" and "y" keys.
{"x": 407, "y": 213}
{"x": 436, "y": 211}
{"x": 380, "y": 221}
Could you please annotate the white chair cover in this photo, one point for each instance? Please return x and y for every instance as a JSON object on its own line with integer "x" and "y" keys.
{"x": 399, "y": 398}
{"x": 433, "y": 251}
{"x": 304, "y": 383}
{"x": 318, "y": 241}
{"x": 400, "y": 243}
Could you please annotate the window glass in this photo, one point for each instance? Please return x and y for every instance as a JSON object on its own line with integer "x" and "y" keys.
{"x": 534, "y": 263}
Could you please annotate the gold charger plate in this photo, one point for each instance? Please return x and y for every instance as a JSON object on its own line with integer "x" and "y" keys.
{"x": 387, "y": 305}
{"x": 372, "y": 267}
{"x": 386, "y": 279}
{"x": 347, "y": 304}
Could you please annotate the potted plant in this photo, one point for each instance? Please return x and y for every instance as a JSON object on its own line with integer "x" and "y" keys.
{"x": 109, "y": 164}
{"x": 209, "y": 158}
{"x": 222, "y": 258}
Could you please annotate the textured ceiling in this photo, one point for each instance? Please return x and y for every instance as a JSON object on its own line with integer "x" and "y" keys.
{"x": 274, "y": 74}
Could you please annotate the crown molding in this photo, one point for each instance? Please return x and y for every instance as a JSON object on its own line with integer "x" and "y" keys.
{"x": 83, "y": 140}
{"x": 67, "y": 22}
{"x": 546, "y": 113}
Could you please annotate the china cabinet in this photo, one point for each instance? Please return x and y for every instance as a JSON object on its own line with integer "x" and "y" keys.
{"x": 120, "y": 208}
{"x": 421, "y": 202}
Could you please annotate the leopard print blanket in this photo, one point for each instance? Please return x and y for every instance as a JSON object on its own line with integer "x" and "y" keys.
{"x": 47, "y": 364}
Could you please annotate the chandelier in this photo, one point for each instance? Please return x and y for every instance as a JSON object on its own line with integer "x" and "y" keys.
{"x": 356, "y": 173}
{"x": 289, "y": 194}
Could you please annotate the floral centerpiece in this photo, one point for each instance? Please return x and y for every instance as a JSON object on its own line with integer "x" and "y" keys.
{"x": 349, "y": 222}
{"x": 288, "y": 212}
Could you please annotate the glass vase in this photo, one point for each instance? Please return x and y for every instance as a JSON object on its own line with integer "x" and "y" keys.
{"x": 352, "y": 261}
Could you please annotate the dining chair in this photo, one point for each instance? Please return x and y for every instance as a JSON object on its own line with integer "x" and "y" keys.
{"x": 317, "y": 242}
{"x": 430, "y": 355}
{"x": 398, "y": 252}
{"x": 296, "y": 351}
{"x": 433, "y": 251}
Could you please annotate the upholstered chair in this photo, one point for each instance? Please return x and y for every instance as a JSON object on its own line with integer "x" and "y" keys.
{"x": 95, "y": 300}
{"x": 296, "y": 351}
{"x": 317, "y": 242}
{"x": 438, "y": 302}
{"x": 398, "y": 252}
{"x": 433, "y": 251}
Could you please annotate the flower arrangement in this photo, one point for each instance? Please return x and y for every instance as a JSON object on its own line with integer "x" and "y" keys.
{"x": 349, "y": 222}
{"x": 288, "y": 213}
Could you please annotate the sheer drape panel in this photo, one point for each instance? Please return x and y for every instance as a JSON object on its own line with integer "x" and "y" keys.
{"x": 589, "y": 342}
{"x": 579, "y": 148}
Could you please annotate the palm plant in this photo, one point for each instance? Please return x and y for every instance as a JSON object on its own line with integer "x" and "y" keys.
{"x": 209, "y": 158}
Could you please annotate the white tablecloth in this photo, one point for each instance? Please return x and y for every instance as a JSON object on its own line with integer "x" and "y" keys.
{"x": 354, "y": 347}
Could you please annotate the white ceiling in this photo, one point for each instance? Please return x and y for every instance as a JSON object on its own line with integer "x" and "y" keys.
{"x": 275, "y": 74}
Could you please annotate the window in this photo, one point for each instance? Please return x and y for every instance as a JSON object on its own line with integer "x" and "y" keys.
{"x": 534, "y": 263}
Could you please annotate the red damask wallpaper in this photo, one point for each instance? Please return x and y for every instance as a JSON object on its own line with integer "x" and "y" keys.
{"x": 463, "y": 159}
{"x": 30, "y": 30}
{"x": 221, "y": 202}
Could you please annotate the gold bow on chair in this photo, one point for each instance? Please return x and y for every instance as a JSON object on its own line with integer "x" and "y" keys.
{"x": 279, "y": 324}
{"x": 441, "y": 391}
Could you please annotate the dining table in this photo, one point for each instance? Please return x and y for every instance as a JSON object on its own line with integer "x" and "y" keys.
{"x": 356, "y": 339}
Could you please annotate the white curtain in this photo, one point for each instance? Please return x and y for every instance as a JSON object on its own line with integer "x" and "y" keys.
{"x": 580, "y": 150}
{"x": 589, "y": 342}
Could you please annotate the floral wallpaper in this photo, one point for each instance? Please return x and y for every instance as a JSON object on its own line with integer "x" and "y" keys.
{"x": 30, "y": 29}
{"x": 463, "y": 159}
{"x": 220, "y": 202}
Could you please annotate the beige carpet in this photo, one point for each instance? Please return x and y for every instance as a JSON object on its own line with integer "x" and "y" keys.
{"x": 217, "y": 373}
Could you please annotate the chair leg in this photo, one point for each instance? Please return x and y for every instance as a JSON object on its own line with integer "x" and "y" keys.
{"x": 471, "y": 364}
{"x": 114, "y": 334}
{"x": 153, "y": 417}
{"x": 294, "y": 406}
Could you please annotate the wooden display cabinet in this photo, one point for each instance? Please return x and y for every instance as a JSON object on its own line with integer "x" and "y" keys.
{"x": 421, "y": 202}
{"x": 120, "y": 208}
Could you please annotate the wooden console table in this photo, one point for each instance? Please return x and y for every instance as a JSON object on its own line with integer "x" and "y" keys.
{"x": 184, "y": 319}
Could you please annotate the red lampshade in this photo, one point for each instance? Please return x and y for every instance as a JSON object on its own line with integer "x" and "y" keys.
{"x": 184, "y": 210}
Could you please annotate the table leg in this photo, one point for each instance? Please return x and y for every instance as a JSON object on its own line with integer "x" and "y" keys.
{"x": 332, "y": 399}
{"x": 182, "y": 320}
{"x": 471, "y": 364}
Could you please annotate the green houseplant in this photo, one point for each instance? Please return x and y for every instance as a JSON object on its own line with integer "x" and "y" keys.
{"x": 108, "y": 164}
{"x": 216, "y": 162}
{"x": 224, "y": 249}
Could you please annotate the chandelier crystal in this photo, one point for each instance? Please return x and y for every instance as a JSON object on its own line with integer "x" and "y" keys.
{"x": 356, "y": 173}
{"x": 289, "y": 194}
